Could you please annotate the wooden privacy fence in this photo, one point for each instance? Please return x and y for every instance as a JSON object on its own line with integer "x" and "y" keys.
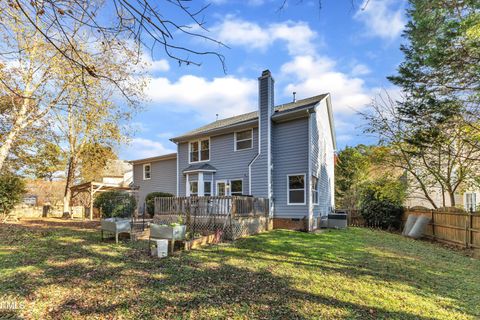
{"x": 235, "y": 216}
{"x": 462, "y": 229}
{"x": 354, "y": 219}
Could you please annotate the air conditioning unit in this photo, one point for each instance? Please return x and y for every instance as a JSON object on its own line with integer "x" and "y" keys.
{"x": 337, "y": 220}
{"x": 323, "y": 222}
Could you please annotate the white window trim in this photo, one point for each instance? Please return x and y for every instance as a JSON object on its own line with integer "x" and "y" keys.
{"x": 144, "y": 165}
{"x": 217, "y": 189}
{"x": 474, "y": 201}
{"x": 304, "y": 189}
{"x": 190, "y": 188}
{"x": 317, "y": 191}
{"x": 200, "y": 150}
{"x": 230, "y": 183}
{"x": 235, "y": 140}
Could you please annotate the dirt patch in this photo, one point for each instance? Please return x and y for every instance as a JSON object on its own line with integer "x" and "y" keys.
{"x": 58, "y": 223}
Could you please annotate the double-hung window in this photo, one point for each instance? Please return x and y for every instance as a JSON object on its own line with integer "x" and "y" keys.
{"x": 199, "y": 150}
{"x": 193, "y": 188}
{"x": 243, "y": 140}
{"x": 296, "y": 189}
{"x": 207, "y": 188}
{"x": 471, "y": 202}
{"x": 147, "y": 171}
{"x": 314, "y": 190}
{"x": 236, "y": 187}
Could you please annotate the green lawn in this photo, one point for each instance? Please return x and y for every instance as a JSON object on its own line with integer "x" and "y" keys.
{"x": 61, "y": 270}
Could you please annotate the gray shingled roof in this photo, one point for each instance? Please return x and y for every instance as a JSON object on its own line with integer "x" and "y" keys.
{"x": 168, "y": 156}
{"x": 300, "y": 103}
{"x": 224, "y": 123}
{"x": 199, "y": 167}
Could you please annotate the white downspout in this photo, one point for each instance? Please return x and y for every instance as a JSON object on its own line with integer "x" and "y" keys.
{"x": 255, "y": 158}
{"x": 178, "y": 172}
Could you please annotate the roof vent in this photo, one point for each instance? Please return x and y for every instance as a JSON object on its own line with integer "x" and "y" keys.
{"x": 294, "y": 97}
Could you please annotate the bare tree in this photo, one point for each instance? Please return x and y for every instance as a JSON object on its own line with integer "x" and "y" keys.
{"x": 152, "y": 24}
{"x": 449, "y": 163}
{"x": 36, "y": 77}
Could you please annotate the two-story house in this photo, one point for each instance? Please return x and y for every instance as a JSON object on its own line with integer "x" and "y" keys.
{"x": 284, "y": 153}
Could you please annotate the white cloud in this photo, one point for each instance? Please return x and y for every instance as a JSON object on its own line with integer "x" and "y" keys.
{"x": 307, "y": 72}
{"x": 226, "y": 96}
{"x": 312, "y": 75}
{"x": 360, "y": 70}
{"x": 161, "y": 65}
{"x": 382, "y": 18}
{"x": 237, "y": 32}
{"x": 140, "y": 148}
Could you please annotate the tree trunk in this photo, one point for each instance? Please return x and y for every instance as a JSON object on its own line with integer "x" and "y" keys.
{"x": 72, "y": 165}
{"x": 18, "y": 126}
{"x": 452, "y": 198}
{"x": 443, "y": 197}
{"x": 6, "y": 147}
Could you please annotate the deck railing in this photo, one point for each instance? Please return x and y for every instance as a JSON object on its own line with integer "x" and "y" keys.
{"x": 233, "y": 206}
{"x": 232, "y": 217}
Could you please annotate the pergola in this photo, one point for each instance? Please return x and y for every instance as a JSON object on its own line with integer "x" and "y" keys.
{"x": 91, "y": 188}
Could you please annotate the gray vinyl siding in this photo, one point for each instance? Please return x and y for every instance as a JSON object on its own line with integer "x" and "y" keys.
{"x": 163, "y": 179}
{"x": 290, "y": 156}
{"x": 230, "y": 164}
{"x": 321, "y": 158}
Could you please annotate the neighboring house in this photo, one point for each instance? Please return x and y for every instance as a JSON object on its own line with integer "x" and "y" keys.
{"x": 284, "y": 153}
{"x": 117, "y": 172}
{"x": 155, "y": 174}
{"x": 30, "y": 200}
{"x": 42, "y": 192}
{"x": 468, "y": 200}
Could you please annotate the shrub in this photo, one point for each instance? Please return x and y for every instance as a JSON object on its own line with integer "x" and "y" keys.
{"x": 115, "y": 204}
{"x": 381, "y": 203}
{"x": 12, "y": 189}
{"x": 150, "y": 200}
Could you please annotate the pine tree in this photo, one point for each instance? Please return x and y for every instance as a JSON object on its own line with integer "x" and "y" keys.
{"x": 440, "y": 73}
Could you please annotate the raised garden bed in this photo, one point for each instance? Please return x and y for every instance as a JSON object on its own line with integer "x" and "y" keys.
{"x": 201, "y": 241}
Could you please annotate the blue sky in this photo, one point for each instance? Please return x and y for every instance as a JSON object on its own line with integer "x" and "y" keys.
{"x": 339, "y": 49}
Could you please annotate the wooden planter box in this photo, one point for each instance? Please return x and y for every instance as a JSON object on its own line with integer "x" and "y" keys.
{"x": 200, "y": 242}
